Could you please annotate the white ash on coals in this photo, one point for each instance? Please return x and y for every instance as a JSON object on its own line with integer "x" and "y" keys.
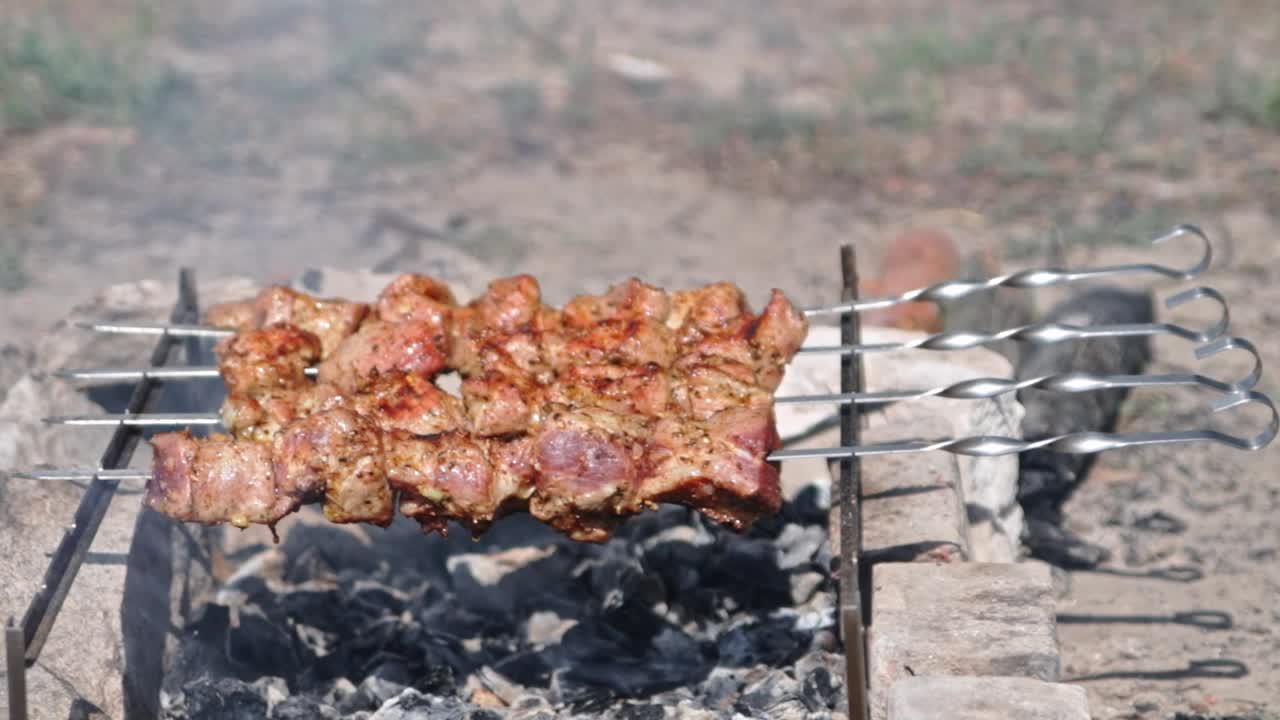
{"x": 674, "y": 617}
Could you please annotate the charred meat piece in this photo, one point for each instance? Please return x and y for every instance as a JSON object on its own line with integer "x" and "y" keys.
{"x": 501, "y": 404}
{"x": 776, "y": 337}
{"x": 629, "y": 300}
{"x": 509, "y": 304}
{"x": 716, "y": 309}
{"x": 340, "y": 452}
{"x": 582, "y": 416}
{"x": 509, "y": 311}
{"x": 263, "y": 415}
{"x": 642, "y": 390}
{"x": 717, "y": 467}
{"x": 627, "y": 342}
{"x": 415, "y": 297}
{"x": 379, "y": 348}
{"x": 330, "y": 320}
{"x": 701, "y": 391}
{"x": 419, "y": 299}
{"x": 443, "y": 477}
{"x": 214, "y": 480}
{"x": 587, "y": 464}
{"x": 396, "y": 401}
{"x": 267, "y": 359}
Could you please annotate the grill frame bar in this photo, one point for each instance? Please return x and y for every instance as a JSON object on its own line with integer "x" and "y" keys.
{"x": 64, "y": 565}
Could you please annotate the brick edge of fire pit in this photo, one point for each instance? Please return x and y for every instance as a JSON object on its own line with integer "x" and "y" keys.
{"x": 950, "y": 636}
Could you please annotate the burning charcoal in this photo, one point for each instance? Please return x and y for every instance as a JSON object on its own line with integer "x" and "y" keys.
{"x": 260, "y": 646}
{"x": 797, "y": 545}
{"x": 531, "y": 707}
{"x": 301, "y": 707}
{"x": 370, "y": 695}
{"x": 437, "y": 680}
{"x": 677, "y": 555}
{"x": 529, "y": 669}
{"x": 624, "y": 591}
{"x": 546, "y": 628}
{"x": 316, "y": 608}
{"x": 413, "y": 705}
{"x": 822, "y": 680}
{"x": 339, "y": 691}
{"x": 641, "y": 712}
{"x": 748, "y": 571}
{"x": 770, "y": 641}
{"x": 496, "y": 583}
{"x": 721, "y": 687}
{"x": 1046, "y": 479}
{"x": 374, "y": 599}
{"x": 805, "y": 585}
{"x": 309, "y": 565}
{"x": 595, "y": 657}
{"x": 819, "y": 690}
{"x": 273, "y": 689}
{"x": 224, "y": 699}
{"x": 392, "y": 669}
{"x": 775, "y": 696}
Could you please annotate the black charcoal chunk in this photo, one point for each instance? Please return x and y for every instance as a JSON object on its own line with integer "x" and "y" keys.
{"x": 224, "y": 699}
{"x": 646, "y": 711}
{"x": 301, "y": 707}
{"x": 771, "y": 641}
{"x": 776, "y": 695}
{"x": 819, "y": 690}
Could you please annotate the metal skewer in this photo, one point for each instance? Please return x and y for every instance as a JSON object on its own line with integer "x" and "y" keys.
{"x": 940, "y": 292}
{"x": 982, "y": 446}
{"x": 134, "y": 374}
{"x": 1073, "y": 443}
{"x": 974, "y": 389}
{"x": 1050, "y": 332}
{"x": 1039, "y": 333}
{"x": 138, "y": 420}
{"x": 171, "y": 330}
{"x": 1031, "y": 279}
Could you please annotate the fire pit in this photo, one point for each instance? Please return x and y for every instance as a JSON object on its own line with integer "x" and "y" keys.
{"x": 673, "y": 617}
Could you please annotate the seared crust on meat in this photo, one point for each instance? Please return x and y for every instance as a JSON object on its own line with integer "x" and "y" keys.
{"x": 266, "y": 359}
{"x": 339, "y": 453}
{"x": 330, "y": 320}
{"x": 580, "y": 416}
{"x": 379, "y": 348}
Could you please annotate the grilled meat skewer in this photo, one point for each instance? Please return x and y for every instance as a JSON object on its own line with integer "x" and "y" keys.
{"x": 580, "y": 416}
{"x": 581, "y": 472}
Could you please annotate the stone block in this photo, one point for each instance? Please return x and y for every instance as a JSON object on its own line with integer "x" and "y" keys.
{"x": 988, "y": 485}
{"x": 960, "y": 619}
{"x": 985, "y": 698}
{"x": 912, "y": 506}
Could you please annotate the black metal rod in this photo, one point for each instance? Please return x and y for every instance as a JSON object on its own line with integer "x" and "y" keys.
{"x": 852, "y": 621}
{"x": 66, "y": 561}
{"x": 16, "y": 671}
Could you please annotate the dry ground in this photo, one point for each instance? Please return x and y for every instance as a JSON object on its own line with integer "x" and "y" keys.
{"x": 241, "y": 137}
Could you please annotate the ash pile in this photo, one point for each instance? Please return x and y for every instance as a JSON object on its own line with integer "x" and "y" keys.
{"x": 675, "y": 617}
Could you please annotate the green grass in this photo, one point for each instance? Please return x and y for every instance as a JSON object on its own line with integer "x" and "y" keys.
{"x": 753, "y": 115}
{"x": 49, "y": 75}
{"x": 1244, "y": 94}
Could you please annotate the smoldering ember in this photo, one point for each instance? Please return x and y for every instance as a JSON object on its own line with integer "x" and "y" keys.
{"x": 674, "y": 617}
